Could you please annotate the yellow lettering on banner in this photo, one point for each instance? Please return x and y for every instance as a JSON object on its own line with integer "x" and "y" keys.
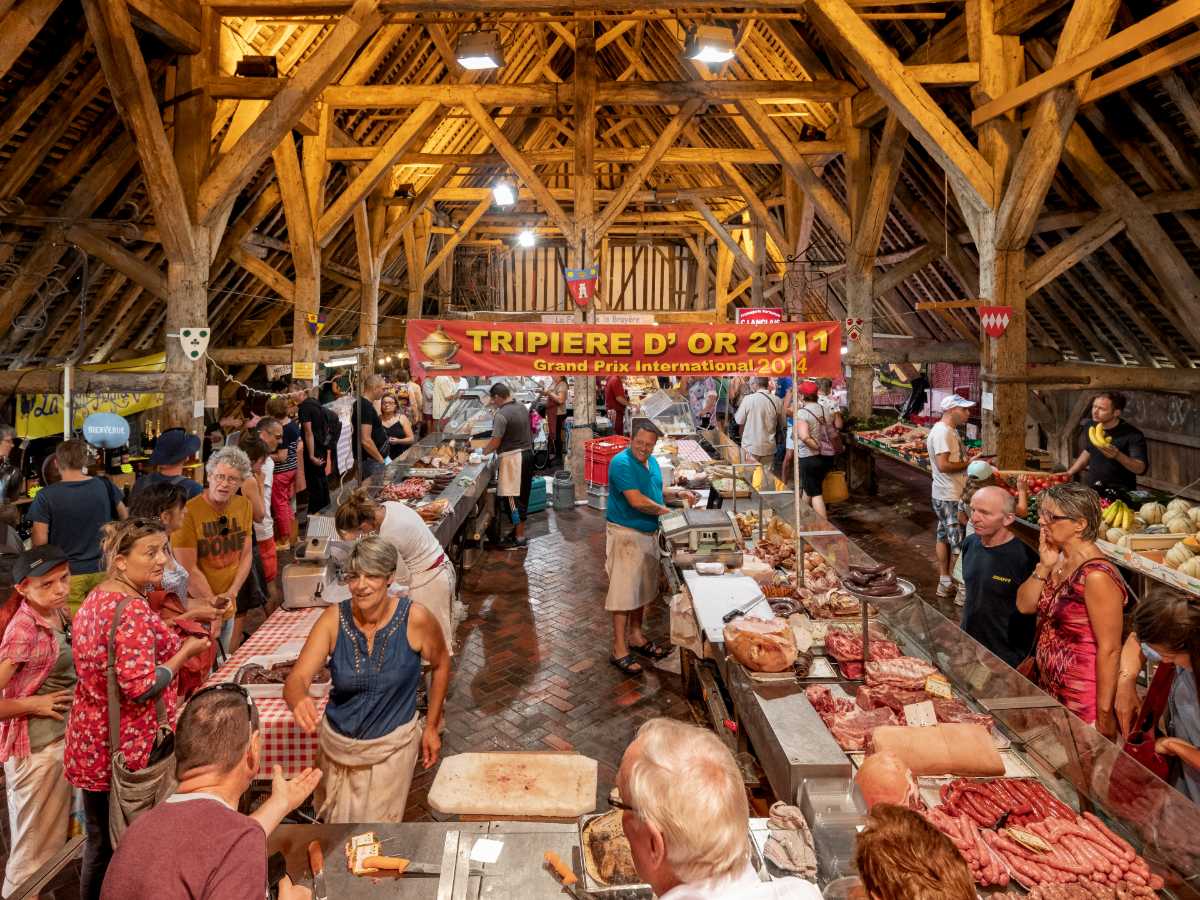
{"x": 656, "y": 344}
{"x": 535, "y": 340}
{"x": 700, "y": 343}
{"x": 621, "y": 344}
{"x": 573, "y": 342}
{"x": 477, "y": 339}
{"x": 501, "y": 342}
{"x": 597, "y": 344}
{"x": 725, "y": 343}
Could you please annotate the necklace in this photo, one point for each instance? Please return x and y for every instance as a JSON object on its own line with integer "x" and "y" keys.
{"x": 125, "y": 581}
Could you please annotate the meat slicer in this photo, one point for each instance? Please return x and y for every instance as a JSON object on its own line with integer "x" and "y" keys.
{"x": 314, "y": 579}
{"x": 701, "y": 535}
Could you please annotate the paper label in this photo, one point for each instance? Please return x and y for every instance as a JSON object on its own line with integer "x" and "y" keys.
{"x": 212, "y": 396}
{"x": 985, "y": 400}
{"x": 486, "y": 850}
{"x": 304, "y": 371}
{"x": 938, "y": 686}
{"x": 198, "y": 409}
{"x": 920, "y": 714}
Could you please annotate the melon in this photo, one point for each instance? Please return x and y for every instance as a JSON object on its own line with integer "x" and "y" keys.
{"x": 1114, "y": 535}
{"x": 1179, "y": 554}
{"x": 1178, "y": 505}
{"x": 1152, "y": 512}
{"x": 1194, "y": 515}
{"x": 1191, "y": 567}
{"x": 1177, "y": 524}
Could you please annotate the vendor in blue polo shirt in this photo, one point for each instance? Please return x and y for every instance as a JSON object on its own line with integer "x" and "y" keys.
{"x": 635, "y": 501}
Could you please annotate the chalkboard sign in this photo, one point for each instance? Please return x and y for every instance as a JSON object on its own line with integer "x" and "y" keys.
{"x": 1177, "y": 413}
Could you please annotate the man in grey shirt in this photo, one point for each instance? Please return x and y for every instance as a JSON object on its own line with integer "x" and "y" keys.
{"x": 512, "y": 440}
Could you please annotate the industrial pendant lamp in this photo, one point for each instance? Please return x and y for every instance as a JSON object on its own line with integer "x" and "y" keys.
{"x": 480, "y": 50}
{"x": 709, "y": 44}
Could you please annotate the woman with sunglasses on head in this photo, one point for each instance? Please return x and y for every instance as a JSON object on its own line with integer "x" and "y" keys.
{"x": 165, "y": 501}
{"x": 148, "y": 656}
{"x": 373, "y": 644}
{"x": 1080, "y": 598}
{"x": 216, "y": 541}
{"x": 396, "y": 424}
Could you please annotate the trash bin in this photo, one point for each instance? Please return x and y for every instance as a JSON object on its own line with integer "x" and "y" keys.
{"x": 564, "y": 492}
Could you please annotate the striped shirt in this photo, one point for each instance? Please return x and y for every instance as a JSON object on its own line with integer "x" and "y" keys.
{"x": 291, "y": 440}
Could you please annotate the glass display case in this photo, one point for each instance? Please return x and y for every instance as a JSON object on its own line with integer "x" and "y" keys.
{"x": 670, "y": 414}
{"x": 1082, "y": 767}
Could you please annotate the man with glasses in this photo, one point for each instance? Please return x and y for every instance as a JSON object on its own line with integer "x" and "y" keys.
{"x": 215, "y": 541}
{"x": 195, "y": 844}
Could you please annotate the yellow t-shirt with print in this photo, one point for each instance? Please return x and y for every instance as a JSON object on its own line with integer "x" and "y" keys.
{"x": 218, "y": 538}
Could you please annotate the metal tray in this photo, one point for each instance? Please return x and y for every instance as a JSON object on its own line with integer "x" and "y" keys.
{"x": 907, "y": 589}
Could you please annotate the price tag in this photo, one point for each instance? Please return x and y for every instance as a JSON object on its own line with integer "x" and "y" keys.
{"x": 920, "y": 714}
{"x": 978, "y": 676}
{"x": 939, "y": 686}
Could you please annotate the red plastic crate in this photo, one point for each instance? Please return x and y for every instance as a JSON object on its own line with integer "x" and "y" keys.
{"x": 596, "y": 454}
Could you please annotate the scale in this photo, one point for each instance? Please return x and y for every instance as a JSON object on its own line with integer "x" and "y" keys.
{"x": 313, "y": 580}
{"x": 701, "y": 535}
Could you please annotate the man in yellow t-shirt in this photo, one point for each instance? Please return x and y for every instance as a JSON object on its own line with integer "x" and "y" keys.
{"x": 215, "y": 542}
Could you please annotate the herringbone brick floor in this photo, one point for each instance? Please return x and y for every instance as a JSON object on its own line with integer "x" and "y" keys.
{"x": 531, "y": 670}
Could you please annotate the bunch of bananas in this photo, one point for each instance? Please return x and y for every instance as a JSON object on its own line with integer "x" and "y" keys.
{"x": 1119, "y": 515}
{"x": 1098, "y": 436}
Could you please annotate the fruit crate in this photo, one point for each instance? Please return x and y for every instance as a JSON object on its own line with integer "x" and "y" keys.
{"x": 1039, "y": 480}
{"x": 596, "y": 455}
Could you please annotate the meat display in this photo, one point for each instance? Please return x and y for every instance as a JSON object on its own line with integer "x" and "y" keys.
{"x": 276, "y": 674}
{"x": 847, "y": 648}
{"x": 955, "y": 710}
{"x": 833, "y": 604}
{"x": 905, "y": 672}
{"x": 884, "y": 778}
{"x": 761, "y": 645}
{"x": 1022, "y": 800}
{"x": 940, "y": 749}
{"x": 985, "y": 864}
{"x": 893, "y": 698}
{"x": 849, "y": 724}
{"x": 872, "y": 581}
{"x": 408, "y": 489}
{"x": 1084, "y": 889}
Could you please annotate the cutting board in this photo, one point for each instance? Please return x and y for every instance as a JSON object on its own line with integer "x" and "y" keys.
{"x": 549, "y": 785}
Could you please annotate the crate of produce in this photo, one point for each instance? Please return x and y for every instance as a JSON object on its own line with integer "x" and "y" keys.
{"x": 596, "y": 455}
{"x": 1038, "y": 480}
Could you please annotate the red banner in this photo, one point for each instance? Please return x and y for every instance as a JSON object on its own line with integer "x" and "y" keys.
{"x": 766, "y": 315}
{"x": 466, "y": 347}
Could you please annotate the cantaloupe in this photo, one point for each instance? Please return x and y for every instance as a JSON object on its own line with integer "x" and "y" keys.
{"x": 1152, "y": 512}
{"x": 1114, "y": 535}
{"x": 1177, "y": 524}
{"x": 1178, "y": 505}
{"x": 1194, "y": 515}
{"x": 1191, "y": 567}
{"x": 1179, "y": 554}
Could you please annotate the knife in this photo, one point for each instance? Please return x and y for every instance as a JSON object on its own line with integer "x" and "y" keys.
{"x": 738, "y": 612}
{"x": 316, "y": 860}
{"x": 564, "y": 876}
{"x": 408, "y": 867}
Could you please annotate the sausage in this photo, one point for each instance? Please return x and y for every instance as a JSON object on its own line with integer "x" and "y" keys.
{"x": 1118, "y": 843}
{"x": 316, "y": 858}
{"x": 878, "y": 569}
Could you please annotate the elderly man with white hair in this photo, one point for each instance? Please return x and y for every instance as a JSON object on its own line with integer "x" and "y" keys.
{"x": 687, "y": 819}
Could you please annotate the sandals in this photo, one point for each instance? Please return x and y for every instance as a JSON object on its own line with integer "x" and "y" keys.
{"x": 627, "y": 664}
{"x": 651, "y": 651}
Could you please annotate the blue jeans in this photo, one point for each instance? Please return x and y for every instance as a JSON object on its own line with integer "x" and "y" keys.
{"x": 371, "y": 467}
{"x": 226, "y": 634}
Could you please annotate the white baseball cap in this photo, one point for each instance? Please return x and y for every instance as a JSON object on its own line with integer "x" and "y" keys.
{"x": 956, "y": 402}
{"x": 980, "y": 470}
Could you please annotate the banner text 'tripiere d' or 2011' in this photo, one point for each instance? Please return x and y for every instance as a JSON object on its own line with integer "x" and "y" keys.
{"x": 462, "y": 347}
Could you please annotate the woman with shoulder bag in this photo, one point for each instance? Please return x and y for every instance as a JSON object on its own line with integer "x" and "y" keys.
{"x": 123, "y": 651}
{"x": 815, "y": 444}
{"x": 1166, "y": 628}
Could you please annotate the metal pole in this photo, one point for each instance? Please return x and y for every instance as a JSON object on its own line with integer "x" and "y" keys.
{"x": 796, "y": 470}
{"x": 68, "y": 416}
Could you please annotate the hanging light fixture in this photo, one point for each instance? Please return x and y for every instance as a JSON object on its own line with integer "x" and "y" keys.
{"x": 503, "y": 194}
{"x": 480, "y": 50}
{"x": 709, "y": 44}
{"x": 526, "y": 238}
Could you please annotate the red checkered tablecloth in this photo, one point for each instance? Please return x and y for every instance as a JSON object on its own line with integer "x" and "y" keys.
{"x": 283, "y": 743}
{"x": 691, "y": 451}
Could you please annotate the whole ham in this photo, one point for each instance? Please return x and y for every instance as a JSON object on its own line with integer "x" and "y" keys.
{"x": 904, "y": 672}
{"x": 761, "y": 645}
{"x": 884, "y": 778}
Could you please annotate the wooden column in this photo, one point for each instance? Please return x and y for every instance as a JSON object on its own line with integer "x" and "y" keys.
{"x": 306, "y": 253}
{"x": 860, "y": 266}
{"x": 369, "y": 272}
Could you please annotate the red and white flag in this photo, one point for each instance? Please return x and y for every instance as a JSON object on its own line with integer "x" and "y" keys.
{"x": 995, "y": 319}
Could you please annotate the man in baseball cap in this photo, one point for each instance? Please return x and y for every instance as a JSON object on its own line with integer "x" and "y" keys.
{"x": 174, "y": 447}
{"x": 948, "y": 462}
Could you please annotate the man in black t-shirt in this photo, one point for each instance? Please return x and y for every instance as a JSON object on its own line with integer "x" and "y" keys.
{"x": 995, "y": 565}
{"x": 1115, "y": 465}
{"x": 314, "y": 450}
{"x": 368, "y": 428}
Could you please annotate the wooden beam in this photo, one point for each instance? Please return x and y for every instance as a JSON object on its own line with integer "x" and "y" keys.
{"x": 267, "y": 274}
{"x": 584, "y": 150}
{"x": 177, "y": 25}
{"x": 1171, "y": 56}
{"x": 758, "y": 209}
{"x": 719, "y": 231}
{"x": 1015, "y": 17}
{"x": 306, "y": 254}
{"x": 901, "y": 272}
{"x": 20, "y": 25}
{"x": 945, "y": 74}
{"x": 519, "y": 165}
{"x": 1067, "y": 253}
{"x": 117, "y": 257}
{"x": 129, "y": 84}
{"x": 947, "y": 45}
{"x": 303, "y": 86}
{"x": 633, "y": 181}
{"x": 1151, "y": 28}
{"x": 827, "y": 205}
{"x": 701, "y": 156}
{"x": 877, "y": 204}
{"x": 292, "y": 8}
{"x": 937, "y": 305}
{"x": 395, "y": 230}
{"x": 552, "y": 94}
{"x": 453, "y": 241}
{"x": 34, "y": 92}
{"x": 342, "y": 208}
{"x": 1085, "y": 376}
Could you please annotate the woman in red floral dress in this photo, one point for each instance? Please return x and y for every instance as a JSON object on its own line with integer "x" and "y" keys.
{"x": 148, "y": 656}
{"x": 1080, "y": 598}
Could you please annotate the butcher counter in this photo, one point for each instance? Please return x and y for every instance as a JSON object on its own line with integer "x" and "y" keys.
{"x": 772, "y": 718}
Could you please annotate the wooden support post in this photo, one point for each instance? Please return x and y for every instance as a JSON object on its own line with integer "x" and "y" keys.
{"x": 368, "y": 273}
{"x": 306, "y": 253}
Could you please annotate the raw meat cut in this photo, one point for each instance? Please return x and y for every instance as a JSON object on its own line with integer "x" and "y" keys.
{"x": 849, "y": 724}
{"x": 761, "y": 645}
{"x": 954, "y": 710}
{"x": 893, "y": 698}
{"x": 846, "y": 648}
{"x": 941, "y": 749}
{"x": 905, "y": 672}
{"x": 884, "y": 778}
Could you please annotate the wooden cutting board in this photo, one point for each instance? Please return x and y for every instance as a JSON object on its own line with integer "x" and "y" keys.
{"x": 549, "y": 785}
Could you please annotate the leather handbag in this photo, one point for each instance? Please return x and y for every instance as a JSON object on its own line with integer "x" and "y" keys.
{"x": 132, "y": 793}
{"x": 1144, "y": 733}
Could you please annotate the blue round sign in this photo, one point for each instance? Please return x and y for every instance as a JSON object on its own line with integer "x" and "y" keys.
{"x": 107, "y": 430}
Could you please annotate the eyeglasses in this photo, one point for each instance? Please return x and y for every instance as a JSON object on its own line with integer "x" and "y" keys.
{"x": 1043, "y": 518}
{"x": 226, "y": 479}
{"x": 620, "y": 804}
{"x": 228, "y": 687}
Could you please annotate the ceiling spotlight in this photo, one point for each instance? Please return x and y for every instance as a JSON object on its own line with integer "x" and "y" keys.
{"x": 480, "y": 50}
{"x": 709, "y": 44}
{"x": 503, "y": 194}
{"x": 526, "y": 239}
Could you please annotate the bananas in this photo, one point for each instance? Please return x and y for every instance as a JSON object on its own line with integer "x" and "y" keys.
{"x": 1098, "y": 436}
{"x": 1118, "y": 515}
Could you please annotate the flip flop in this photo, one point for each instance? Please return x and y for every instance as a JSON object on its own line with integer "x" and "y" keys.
{"x": 627, "y": 664}
{"x": 651, "y": 650}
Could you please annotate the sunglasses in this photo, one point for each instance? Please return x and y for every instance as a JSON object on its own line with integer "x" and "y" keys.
{"x": 224, "y": 523}
{"x": 228, "y": 687}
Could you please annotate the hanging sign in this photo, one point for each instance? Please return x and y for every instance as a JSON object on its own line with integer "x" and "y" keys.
{"x": 315, "y": 322}
{"x": 582, "y": 284}
{"x": 304, "y": 371}
{"x": 995, "y": 319}
{"x": 194, "y": 341}
{"x": 107, "y": 430}
{"x": 529, "y": 348}
{"x": 767, "y": 315}
{"x": 854, "y": 327}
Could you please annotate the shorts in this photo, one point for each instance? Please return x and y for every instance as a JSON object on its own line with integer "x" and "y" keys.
{"x": 949, "y": 529}
{"x": 270, "y": 559}
{"x": 81, "y": 586}
{"x": 813, "y": 470}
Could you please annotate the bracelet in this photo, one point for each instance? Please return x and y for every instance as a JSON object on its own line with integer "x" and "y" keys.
{"x": 1036, "y": 576}
{"x": 1121, "y": 675}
